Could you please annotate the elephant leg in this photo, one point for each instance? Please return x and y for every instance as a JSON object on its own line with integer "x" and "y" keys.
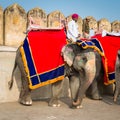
{"x": 74, "y": 83}
{"x": 74, "y": 86}
{"x": 93, "y": 91}
{"x": 25, "y": 93}
{"x": 116, "y": 94}
{"x": 117, "y": 77}
{"x": 117, "y": 90}
{"x": 56, "y": 91}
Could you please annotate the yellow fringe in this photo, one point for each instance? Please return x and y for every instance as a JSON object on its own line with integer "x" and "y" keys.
{"x": 46, "y": 83}
{"x": 24, "y": 62}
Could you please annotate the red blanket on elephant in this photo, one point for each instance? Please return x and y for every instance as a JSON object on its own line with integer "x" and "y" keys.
{"x": 41, "y": 54}
{"x": 109, "y": 46}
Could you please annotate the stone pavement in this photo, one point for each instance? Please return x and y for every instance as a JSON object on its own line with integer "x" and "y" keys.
{"x": 92, "y": 110}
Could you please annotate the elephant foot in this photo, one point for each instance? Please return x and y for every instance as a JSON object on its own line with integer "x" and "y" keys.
{"x": 54, "y": 103}
{"x": 76, "y": 107}
{"x": 25, "y": 102}
{"x": 77, "y": 104}
{"x": 96, "y": 97}
{"x": 115, "y": 99}
{"x": 116, "y": 95}
{"x": 79, "y": 107}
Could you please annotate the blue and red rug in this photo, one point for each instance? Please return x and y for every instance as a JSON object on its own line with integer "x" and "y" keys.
{"x": 41, "y": 54}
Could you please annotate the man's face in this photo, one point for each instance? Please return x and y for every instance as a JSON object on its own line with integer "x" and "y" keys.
{"x": 87, "y": 20}
{"x": 75, "y": 19}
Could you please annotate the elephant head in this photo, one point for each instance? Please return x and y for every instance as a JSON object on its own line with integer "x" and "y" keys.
{"x": 69, "y": 53}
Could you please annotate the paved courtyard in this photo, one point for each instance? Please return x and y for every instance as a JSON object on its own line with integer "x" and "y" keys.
{"x": 92, "y": 110}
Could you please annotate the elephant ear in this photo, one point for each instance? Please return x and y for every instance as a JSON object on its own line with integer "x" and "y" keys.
{"x": 68, "y": 55}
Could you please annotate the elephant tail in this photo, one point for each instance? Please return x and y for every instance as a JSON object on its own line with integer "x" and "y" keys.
{"x": 10, "y": 83}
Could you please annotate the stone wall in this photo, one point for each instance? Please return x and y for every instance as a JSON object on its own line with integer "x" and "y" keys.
{"x": 15, "y": 24}
{"x": 14, "y": 21}
{"x": 39, "y": 16}
{"x": 1, "y": 26}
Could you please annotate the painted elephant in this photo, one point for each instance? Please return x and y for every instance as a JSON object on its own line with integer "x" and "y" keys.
{"x": 117, "y": 77}
{"x": 25, "y": 93}
{"x": 84, "y": 70}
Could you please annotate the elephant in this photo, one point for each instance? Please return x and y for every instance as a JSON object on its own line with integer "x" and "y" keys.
{"x": 25, "y": 93}
{"x": 84, "y": 70}
{"x": 117, "y": 77}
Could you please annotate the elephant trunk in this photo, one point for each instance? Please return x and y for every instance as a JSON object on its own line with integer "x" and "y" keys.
{"x": 115, "y": 98}
{"x": 77, "y": 102}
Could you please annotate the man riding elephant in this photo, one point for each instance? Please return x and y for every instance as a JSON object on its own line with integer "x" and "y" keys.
{"x": 72, "y": 29}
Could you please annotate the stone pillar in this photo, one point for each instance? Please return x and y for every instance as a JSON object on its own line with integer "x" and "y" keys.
{"x": 104, "y": 24}
{"x": 79, "y": 22}
{"x": 89, "y": 23}
{"x": 39, "y": 16}
{"x": 54, "y": 19}
{"x": 115, "y": 26}
{"x": 15, "y": 25}
{"x": 1, "y": 26}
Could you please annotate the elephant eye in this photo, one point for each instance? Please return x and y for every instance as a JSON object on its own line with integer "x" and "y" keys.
{"x": 69, "y": 52}
{"x": 72, "y": 55}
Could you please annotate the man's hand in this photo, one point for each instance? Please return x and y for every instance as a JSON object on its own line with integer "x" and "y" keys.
{"x": 79, "y": 35}
{"x": 69, "y": 40}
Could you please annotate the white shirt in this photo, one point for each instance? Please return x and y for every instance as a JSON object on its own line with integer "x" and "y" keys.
{"x": 91, "y": 33}
{"x": 72, "y": 31}
{"x": 104, "y": 33}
